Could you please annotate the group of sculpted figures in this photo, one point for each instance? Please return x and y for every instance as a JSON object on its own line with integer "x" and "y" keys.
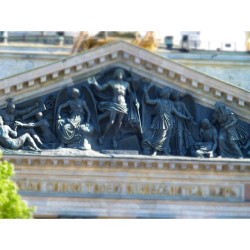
{"x": 98, "y": 116}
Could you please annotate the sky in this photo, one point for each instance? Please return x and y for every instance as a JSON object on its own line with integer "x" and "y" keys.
{"x": 216, "y": 19}
{"x": 161, "y": 15}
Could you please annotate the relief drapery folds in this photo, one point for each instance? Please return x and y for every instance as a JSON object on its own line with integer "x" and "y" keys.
{"x": 119, "y": 110}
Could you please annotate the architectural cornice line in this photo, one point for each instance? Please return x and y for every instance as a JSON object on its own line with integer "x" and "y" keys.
{"x": 124, "y": 53}
{"x": 161, "y": 163}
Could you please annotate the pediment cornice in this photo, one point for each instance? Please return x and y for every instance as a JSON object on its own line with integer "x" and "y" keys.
{"x": 205, "y": 89}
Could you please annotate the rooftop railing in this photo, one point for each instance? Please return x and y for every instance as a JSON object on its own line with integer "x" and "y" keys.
{"x": 207, "y": 45}
{"x": 36, "y": 37}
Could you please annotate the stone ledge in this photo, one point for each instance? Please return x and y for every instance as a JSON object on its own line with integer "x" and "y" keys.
{"x": 213, "y": 165}
{"x": 60, "y": 207}
{"x": 121, "y": 186}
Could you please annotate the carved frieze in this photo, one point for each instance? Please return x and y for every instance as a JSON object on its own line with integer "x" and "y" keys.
{"x": 136, "y": 189}
{"x": 122, "y": 111}
{"x": 116, "y": 111}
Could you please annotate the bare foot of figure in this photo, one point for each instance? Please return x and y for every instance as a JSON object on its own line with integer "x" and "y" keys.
{"x": 154, "y": 153}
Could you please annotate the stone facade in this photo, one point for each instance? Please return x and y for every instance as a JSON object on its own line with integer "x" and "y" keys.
{"x": 205, "y": 89}
{"x": 232, "y": 67}
{"x": 134, "y": 187}
{"x": 18, "y": 58}
{"x": 91, "y": 184}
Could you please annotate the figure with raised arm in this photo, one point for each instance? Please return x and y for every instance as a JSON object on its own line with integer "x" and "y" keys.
{"x": 116, "y": 108}
{"x": 157, "y": 136}
{"x": 11, "y": 113}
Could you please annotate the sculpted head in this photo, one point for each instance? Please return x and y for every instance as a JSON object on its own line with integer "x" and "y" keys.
{"x": 205, "y": 123}
{"x": 165, "y": 93}
{"x": 75, "y": 93}
{"x": 119, "y": 74}
{"x": 11, "y": 107}
{"x": 219, "y": 106}
{"x": 39, "y": 115}
{"x": 174, "y": 96}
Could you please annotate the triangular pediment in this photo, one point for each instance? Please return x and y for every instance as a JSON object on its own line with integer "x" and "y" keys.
{"x": 205, "y": 90}
{"x": 84, "y": 171}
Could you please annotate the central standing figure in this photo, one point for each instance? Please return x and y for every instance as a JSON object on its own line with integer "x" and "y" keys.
{"x": 116, "y": 109}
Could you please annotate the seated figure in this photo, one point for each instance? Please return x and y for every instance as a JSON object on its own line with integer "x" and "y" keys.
{"x": 75, "y": 122}
{"x": 208, "y": 144}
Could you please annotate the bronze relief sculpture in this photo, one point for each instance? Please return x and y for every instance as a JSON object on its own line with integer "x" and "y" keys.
{"x": 72, "y": 119}
{"x": 10, "y": 140}
{"x": 231, "y": 135}
{"x": 116, "y": 107}
{"x": 120, "y": 111}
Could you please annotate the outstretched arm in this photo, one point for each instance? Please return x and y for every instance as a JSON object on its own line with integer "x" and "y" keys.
{"x": 27, "y": 125}
{"x": 30, "y": 125}
{"x": 147, "y": 99}
{"x": 93, "y": 81}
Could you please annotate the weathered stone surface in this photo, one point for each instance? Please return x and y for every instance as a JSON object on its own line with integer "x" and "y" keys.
{"x": 247, "y": 192}
{"x": 87, "y": 183}
{"x": 60, "y": 207}
{"x": 133, "y": 186}
{"x": 122, "y": 152}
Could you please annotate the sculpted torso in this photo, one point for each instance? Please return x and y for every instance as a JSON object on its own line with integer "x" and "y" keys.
{"x": 119, "y": 90}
